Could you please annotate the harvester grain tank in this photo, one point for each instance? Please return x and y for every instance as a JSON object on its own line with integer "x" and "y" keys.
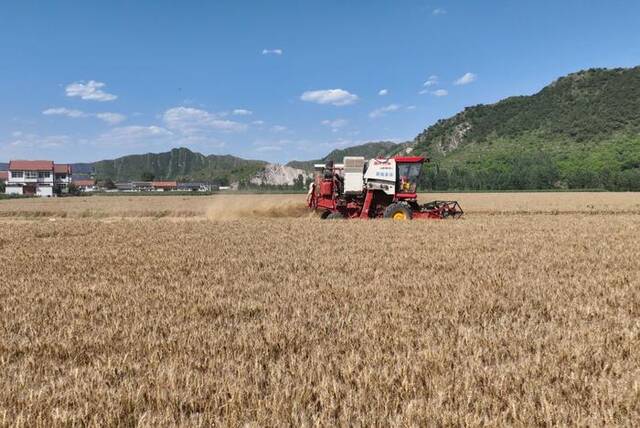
{"x": 378, "y": 188}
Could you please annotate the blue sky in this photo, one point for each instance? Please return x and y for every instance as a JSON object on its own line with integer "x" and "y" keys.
{"x": 279, "y": 80}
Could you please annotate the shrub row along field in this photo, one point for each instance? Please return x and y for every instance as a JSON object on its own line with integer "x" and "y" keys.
{"x": 221, "y": 207}
{"x": 516, "y": 319}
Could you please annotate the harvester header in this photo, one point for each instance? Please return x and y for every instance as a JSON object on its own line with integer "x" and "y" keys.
{"x": 377, "y": 188}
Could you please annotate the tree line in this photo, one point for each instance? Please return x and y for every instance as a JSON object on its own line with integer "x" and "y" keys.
{"x": 532, "y": 172}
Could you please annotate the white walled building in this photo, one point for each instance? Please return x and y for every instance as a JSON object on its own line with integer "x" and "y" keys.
{"x": 61, "y": 176}
{"x": 37, "y": 178}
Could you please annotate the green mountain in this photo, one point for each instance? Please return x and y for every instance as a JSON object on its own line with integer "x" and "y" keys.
{"x": 368, "y": 150}
{"x": 581, "y": 131}
{"x": 178, "y": 164}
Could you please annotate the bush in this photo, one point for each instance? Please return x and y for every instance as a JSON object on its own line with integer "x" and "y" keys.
{"x": 73, "y": 190}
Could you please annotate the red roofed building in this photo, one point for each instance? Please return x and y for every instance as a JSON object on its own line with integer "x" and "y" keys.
{"x": 62, "y": 168}
{"x": 3, "y": 176}
{"x": 41, "y": 178}
{"x": 28, "y": 165}
{"x": 164, "y": 186}
{"x": 85, "y": 185}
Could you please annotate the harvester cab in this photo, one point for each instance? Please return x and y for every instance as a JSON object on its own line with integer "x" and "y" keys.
{"x": 394, "y": 176}
{"x": 381, "y": 187}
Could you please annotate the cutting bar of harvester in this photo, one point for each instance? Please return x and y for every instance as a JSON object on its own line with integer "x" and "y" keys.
{"x": 441, "y": 209}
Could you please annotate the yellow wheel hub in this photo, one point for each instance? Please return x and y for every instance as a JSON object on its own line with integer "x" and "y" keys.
{"x": 399, "y": 216}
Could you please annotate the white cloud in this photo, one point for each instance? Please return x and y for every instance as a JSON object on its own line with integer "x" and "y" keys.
{"x": 134, "y": 135}
{"x": 441, "y": 93}
{"x": 137, "y": 131}
{"x": 193, "y": 120}
{"x": 383, "y": 92}
{"x": 278, "y": 128}
{"x": 431, "y": 81}
{"x": 33, "y": 141}
{"x": 382, "y": 111}
{"x": 61, "y": 111}
{"x": 466, "y": 79}
{"x": 274, "y": 145}
{"x": 272, "y": 51}
{"x": 258, "y": 122}
{"x": 111, "y": 118}
{"x": 90, "y": 90}
{"x": 269, "y": 149}
{"x": 153, "y": 137}
{"x": 336, "y": 97}
{"x": 335, "y": 124}
{"x": 439, "y": 11}
{"x": 411, "y": 107}
{"x": 339, "y": 143}
{"x": 242, "y": 112}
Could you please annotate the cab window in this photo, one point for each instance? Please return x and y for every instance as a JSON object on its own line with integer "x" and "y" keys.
{"x": 408, "y": 174}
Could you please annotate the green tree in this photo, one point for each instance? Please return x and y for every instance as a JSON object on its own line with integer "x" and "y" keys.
{"x": 109, "y": 184}
{"x": 298, "y": 183}
{"x": 73, "y": 189}
{"x": 147, "y": 176}
{"x": 221, "y": 181}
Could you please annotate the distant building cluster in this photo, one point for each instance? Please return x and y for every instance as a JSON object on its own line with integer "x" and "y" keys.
{"x": 165, "y": 186}
{"x": 46, "y": 178}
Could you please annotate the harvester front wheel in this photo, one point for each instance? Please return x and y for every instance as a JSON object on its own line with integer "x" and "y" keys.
{"x": 335, "y": 216}
{"x": 398, "y": 212}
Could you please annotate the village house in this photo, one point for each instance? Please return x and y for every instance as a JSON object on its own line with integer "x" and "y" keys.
{"x": 37, "y": 178}
{"x": 61, "y": 177}
{"x": 164, "y": 186}
{"x": 124, "y": 186}
{"x": 85, "y": 184}
{"x": 142, "y": 186}
{"x": 195, "y": 187}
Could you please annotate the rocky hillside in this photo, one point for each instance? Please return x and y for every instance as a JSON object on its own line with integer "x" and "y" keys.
{"x": 581, "y": 131}
{"x": 279, "y": 175}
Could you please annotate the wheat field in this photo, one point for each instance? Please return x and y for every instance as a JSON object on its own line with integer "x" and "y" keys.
{"x": 247, "y": 311}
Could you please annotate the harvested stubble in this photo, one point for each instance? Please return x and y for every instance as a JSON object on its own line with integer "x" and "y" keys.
{"x": 519, "y": 320}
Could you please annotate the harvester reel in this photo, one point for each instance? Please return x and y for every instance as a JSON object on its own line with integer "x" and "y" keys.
{"x": 443, "y": 209}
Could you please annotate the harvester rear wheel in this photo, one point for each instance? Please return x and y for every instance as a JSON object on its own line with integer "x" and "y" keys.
{"x": 335, "y": 216}
{"x": 398, "y": 212}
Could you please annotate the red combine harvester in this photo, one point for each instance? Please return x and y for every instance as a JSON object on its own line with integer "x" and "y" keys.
{"x": 379, "y": 188}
